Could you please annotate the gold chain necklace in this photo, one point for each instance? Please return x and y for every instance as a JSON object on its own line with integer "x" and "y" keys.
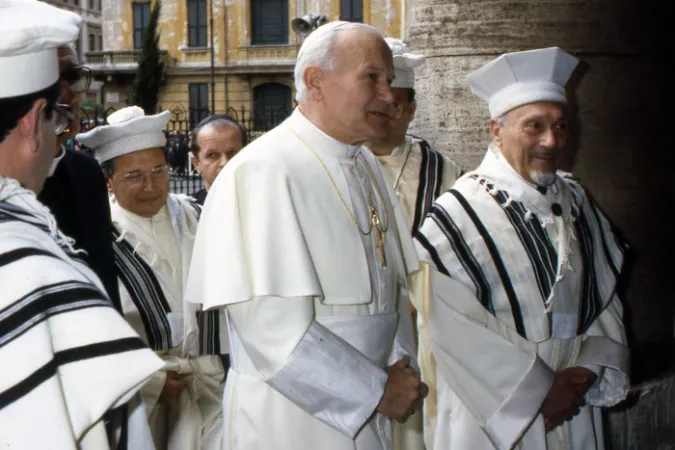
{"x": 375, "y": 221}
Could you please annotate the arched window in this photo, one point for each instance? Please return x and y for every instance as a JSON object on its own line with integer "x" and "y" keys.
{"x": 271, "y": 105}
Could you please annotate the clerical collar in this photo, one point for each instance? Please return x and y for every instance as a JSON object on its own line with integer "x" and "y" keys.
{"x": 320, "y": 141}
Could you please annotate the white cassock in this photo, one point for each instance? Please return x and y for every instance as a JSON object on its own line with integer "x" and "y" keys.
{"x": 153, "y": 258}
{"x": 68, "y": 357}
{"x": 419, "y": 175}
{"x": 524, "y": 286}
{"x": 313, "y": 316}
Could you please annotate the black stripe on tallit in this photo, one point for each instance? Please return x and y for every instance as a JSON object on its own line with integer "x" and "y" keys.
{"x": 534, "y": 239}
{"x": 430, "y": 183}
{"x": 590, "y": 305}
{"x": 209, "y": 332}
{"x": 140, "y": 281}
{"x": 498, "y": 262}
{"x": 422, "y": 239}
{"x": 464, "y": 254}
{"x": 18, "y": 254}
{"x": 45, "y": 302}
{"x": 44, "y": 373}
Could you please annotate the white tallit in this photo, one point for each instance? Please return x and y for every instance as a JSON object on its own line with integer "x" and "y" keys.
{"x": 527, "y": 281}
{"x": 67, "y": 355}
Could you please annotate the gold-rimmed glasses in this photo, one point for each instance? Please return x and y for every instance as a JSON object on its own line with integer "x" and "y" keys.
{"x": 136, "y": 178}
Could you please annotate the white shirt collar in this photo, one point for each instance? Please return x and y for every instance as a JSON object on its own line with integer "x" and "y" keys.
{"x": 319, "y": 141}
{"x": 55, "y": 162}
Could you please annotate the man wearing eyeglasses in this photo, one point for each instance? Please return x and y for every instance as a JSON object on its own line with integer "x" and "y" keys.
{"x": 67, "y": 356}
{"x": 153, "y": 233}
{"x": 75, "y": 190}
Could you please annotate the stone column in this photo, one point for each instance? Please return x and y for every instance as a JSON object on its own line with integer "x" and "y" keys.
{"x": 622, "y": 148}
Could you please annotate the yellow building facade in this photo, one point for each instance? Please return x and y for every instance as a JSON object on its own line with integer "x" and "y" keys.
{"x": 254, "y": 50}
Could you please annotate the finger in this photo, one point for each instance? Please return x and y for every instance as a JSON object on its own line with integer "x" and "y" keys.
{"x": 424, "y": 390}
{"x": 403, "y": 362}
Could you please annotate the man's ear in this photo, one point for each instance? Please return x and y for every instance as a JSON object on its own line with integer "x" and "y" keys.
{"x": 312, "y": 78}
{"x": 30, "y": 125}
{"x": 495, "y": 132}
{"x": 195, "y": 162}
{"x": 108, "y": 181}
{"x": 413, "y": 109}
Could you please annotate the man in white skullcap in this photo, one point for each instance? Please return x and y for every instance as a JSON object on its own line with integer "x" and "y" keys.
{"x": 526, "y": 325}
{"x": 418, "y": 174}
{"x": 68, "y": 357}
{"x": 153, "y": 234}
{"x": 304, "y": 245}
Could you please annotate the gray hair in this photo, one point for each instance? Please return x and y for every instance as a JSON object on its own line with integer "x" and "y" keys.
{"x": 318, "y": 50}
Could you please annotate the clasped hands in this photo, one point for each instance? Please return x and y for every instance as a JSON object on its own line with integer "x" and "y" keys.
{"x": 404, "y": 392}
{"x": 566, "y": 396}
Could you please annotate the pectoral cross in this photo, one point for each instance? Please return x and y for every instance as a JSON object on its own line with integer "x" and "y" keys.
{"x": 379, "y": 237}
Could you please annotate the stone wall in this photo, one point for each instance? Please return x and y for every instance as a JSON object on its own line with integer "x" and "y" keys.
{"x": 621, "y": 146}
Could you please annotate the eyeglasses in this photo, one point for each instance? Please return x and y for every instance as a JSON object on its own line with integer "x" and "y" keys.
{"x": 137, "y": 177}
{"x": 78, "y": 78}
{"x": 64, "y": 117}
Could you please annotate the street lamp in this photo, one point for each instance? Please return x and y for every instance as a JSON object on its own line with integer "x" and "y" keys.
{"x": 308, "y": 23}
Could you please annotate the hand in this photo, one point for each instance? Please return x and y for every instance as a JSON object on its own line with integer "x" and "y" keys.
{"x": 173, "y": 385}
{"x": 566, "y": 396}
{"x": 403, "y": 392}
{"x": 582, "y": 377}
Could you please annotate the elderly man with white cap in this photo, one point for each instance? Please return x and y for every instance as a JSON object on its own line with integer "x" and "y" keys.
{"x": 68, "y": 357}
{"x": 526, "y": 325}
{"x": 304, "y": 245}
{"x": 153, "y": 234}
{"x": 418, "y": 174}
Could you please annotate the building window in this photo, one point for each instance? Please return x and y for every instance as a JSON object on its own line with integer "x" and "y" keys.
{"x": 351, "y": 10}
{"x": 271, "y": 105}
{"x": 197, "y": 28}
{"x": 141, "y": 17}
{"x": 269, "y": 20}
{"x": 100, "y": 43}
{"x": 199, "y": 102}
{"x": 92, "y": 43}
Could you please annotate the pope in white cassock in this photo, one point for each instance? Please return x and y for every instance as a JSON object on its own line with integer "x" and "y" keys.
{"x": 153, "y": 234}
{"x": 69, "y": 360}
{"x": 419, "y": 175}
{"x": 526, "y": 326}
{"x": 302, "y": 244}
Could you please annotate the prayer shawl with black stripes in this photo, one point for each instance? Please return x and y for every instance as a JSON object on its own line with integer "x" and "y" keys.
{"x": 418, "y": 174}
{"x": 524, "y": 285}
{"x": 152, "y": 256}
{"x": 67, "y": 355}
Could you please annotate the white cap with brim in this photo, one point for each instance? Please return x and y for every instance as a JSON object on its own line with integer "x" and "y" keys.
{"x": 30, "y": 33}
{"x": 404, "y": 64}
{"x": 129, "y": 131}
{"x": 517, "y": 79}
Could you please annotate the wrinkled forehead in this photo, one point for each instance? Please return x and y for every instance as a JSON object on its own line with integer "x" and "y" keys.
{"x": 140, "y": 160}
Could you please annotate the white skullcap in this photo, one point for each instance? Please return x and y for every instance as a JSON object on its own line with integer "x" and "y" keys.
{"x": 130, "y": 130}
{"x": 516, "y": 79}
{"x": 30, "y": 32}
{"x": 404, "y": 64}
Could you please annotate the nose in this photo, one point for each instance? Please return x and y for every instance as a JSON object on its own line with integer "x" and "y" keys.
{"x": 148, "y": 182}
{"x": 386, "y": 95}
{"x": 549, "y": 139}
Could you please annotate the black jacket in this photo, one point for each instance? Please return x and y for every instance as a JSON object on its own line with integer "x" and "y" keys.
{"x": 77, "y": 196}
{"x": 201, "y": 196}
